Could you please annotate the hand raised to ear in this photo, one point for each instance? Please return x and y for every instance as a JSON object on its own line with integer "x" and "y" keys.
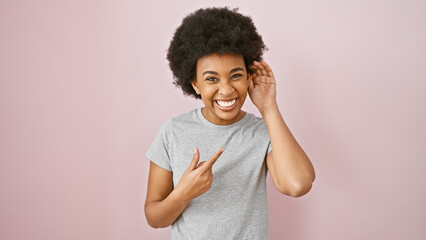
{"x": 197, "y": 178}
{"x": 262, "y": 89}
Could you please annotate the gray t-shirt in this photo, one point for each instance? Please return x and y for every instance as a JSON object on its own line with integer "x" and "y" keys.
{"x": 236, "y": 206}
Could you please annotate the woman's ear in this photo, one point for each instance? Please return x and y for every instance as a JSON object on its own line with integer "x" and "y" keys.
{"x": 250, "y": 80}
{"x": 194, "y": 85}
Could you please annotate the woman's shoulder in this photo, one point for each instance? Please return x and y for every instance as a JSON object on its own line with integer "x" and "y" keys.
{"x": 254, "y": 119}
{"x": 180, "y": 120}
{"x": 186, "y": 117}
{"x": 255, "y": 124}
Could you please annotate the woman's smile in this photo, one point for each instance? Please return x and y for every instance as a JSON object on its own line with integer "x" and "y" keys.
{"x": 226, "y": 105}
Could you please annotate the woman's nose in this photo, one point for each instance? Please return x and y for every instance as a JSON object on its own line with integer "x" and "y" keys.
{"x": 226, "y": 88}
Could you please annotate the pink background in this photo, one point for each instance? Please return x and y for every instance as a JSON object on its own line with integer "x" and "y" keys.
{"x": 85, "y": 86}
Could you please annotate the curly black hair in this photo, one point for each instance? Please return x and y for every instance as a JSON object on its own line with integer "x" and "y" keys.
{"x": 211, "y": 30}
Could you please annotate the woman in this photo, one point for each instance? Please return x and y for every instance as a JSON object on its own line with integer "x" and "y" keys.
{"x": 208, "y": 166}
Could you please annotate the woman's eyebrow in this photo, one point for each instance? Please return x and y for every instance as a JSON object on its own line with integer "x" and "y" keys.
{"x": 210, "y": 72}
{"x": 232, "y": 71}
{"x": 237, "y": 69}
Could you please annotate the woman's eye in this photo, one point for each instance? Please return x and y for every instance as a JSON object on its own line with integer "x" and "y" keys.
{"x": 213, "y": 79}
{"x": 236, "y": 76}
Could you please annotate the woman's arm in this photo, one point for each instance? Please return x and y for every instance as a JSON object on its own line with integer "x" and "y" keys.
{"x": 291, "y": 170}
{"x": 163, "y": 204}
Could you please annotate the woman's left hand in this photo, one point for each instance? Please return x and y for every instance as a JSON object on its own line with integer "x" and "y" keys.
{"x": 262, "y": 89}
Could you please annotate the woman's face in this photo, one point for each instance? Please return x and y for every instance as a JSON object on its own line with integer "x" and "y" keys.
{"x": 222, "y": 81}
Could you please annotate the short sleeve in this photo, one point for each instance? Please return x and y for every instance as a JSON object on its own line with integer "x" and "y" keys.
{"x": 269, "y": 147}
{"x": 159, "y": 151}
{"x": 265, "y": 133}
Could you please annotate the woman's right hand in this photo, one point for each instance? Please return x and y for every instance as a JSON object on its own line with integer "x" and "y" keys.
{"x": 198, "y": 178}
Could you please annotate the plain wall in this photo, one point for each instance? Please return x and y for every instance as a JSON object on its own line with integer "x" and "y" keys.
{"x": 85, "y": 86}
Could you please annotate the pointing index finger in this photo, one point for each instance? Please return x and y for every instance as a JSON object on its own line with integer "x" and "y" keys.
{"x": 209, "y": 163}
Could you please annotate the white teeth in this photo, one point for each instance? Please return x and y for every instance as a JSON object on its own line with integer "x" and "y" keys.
{"x": 226, "y": 103}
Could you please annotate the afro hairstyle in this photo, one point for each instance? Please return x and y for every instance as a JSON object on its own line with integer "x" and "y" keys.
{"x": 211, "y": 30}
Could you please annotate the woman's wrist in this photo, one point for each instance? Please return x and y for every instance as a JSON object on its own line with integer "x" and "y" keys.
{"x": 266, "y": 109}
{"x": 179, "y": 198}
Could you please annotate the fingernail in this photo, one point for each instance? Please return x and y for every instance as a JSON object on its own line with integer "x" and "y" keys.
{"x": 195, "y": 151}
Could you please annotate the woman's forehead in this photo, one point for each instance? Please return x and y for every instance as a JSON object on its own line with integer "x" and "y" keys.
{"x": 221, "y": 62}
